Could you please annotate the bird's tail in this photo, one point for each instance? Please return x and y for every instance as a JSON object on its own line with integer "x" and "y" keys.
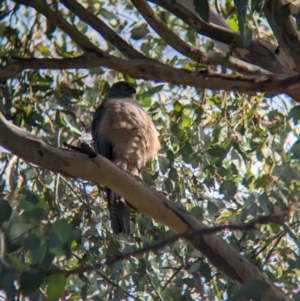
{"x": 119, "y": 213}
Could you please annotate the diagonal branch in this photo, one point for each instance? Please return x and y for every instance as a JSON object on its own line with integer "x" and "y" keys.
{"x": 65, "y": 26}
{"x": 285, "y": 31}
{"x": 167, "y": 34}
{"x": 153, "y": 204}
{"x": 259, "y": 52}
{"x": 107, "y": 33}
{"x": 188, "y": 50}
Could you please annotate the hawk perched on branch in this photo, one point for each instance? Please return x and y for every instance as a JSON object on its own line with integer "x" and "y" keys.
{"x": 123, "y": 133}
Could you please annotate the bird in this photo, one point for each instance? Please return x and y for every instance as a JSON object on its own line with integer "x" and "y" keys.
{"x": 124, "y": 133}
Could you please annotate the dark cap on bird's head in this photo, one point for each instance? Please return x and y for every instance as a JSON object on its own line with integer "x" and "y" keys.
{"x": 122, "y": 89}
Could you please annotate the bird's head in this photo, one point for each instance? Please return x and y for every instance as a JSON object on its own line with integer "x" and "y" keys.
{"x": 122, "y": 89}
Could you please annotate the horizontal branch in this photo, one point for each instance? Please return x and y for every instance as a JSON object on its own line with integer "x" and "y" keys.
{"x": 144, "y": 68}
{"x": 156, "y": 71}
{"x": 252, "y": 225}
{"x": 152, "y": 204}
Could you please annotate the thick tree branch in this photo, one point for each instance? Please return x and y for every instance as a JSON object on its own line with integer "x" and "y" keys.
{"x": 188, "y": 50}
{"x": 153, "y": 204}
{"x": 154, "y": 70}
{"x": 148, "y": 69}
{"x": 107, "y": 33}
{"x": 260, "y": 53}
{"x": 284, "y": 31}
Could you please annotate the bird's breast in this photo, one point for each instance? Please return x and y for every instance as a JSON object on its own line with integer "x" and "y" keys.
{"x": 131, "y": 132}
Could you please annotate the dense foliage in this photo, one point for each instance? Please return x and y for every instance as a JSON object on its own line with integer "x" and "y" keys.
{"x": 227, "y": 157}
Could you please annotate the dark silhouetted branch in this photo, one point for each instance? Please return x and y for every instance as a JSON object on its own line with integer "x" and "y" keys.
{"x": 104, "y": 30}
{"x": 195, "y": 54}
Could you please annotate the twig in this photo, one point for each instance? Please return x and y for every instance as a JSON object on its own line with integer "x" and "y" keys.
{"x": 154, "y": 288}
{"x": 111, "y": 282}
{"x": 217, "y": 7}
{"x": 74, "y": 191}
{"x": 170, "y": 279}
{"x": 88, "y": 209}
{"x": 118, "y": 286}
{"x": 56, "y": 182}
{"x": 273, "y": 248}
{"x": 56, "y": 197}
{"x": 186, "y": 235}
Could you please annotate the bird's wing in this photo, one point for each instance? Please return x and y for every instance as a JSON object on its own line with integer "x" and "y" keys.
{"x": 102, "y": 145}
{"x": 119, "y": 211}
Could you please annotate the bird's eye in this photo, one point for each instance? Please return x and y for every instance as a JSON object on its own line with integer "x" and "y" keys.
{"x": 123, "y": 87}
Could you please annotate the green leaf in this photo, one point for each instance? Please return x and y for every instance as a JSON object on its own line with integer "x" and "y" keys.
{"x": 173, "y": 175}
{"x": 251, "y": 290}
{"x": 286, "y": 172}
{"x": 169, "y": 185}
{"x": 139, "y": 31}
{"x": 37, "y": 248}
{"x": 202, "y": 8}
{"x": 16, "y": 236}
{"x": 284, "y": 12}
{"x": 216, "y": 151}
{"x": 228, "y": 188}
{"x": 63, "y": 230}
{"x": 294, "y": 114}
{"x": 30, "y": 283}
{"x": 177, "y": 106}
{"x": 144, "y": 100}
{"x": 30, "y": 200}
{"x": 205, "y": 271}
{"x": 59, "y": 120}
{"x": 163, "y": 164}
{"x": 245, "y": 33}
{"x": 155, "y": 89}
{"x": 5, "y": 211}
{"x": 55, "y": 286}
{"x": 209, "y": 182}
{"x": 212, "y": 208}
{"x": 295, "y": 150}
{"x": 264, "y": 203}
{"x": 184, "y": 122}
{"x": 34, "y": 215}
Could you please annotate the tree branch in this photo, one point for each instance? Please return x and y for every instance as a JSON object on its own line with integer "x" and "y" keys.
{"x": 148, "y": 69}
{"x": 259, "y": 52}
{"x": 107, "y": 33}
{"x": 64, "y": 25}
{"x": 154, "y": 70}
{"x": 284, "y": 31}
{"x": 153, "y": 204}
{"x": 190, "y": 51}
